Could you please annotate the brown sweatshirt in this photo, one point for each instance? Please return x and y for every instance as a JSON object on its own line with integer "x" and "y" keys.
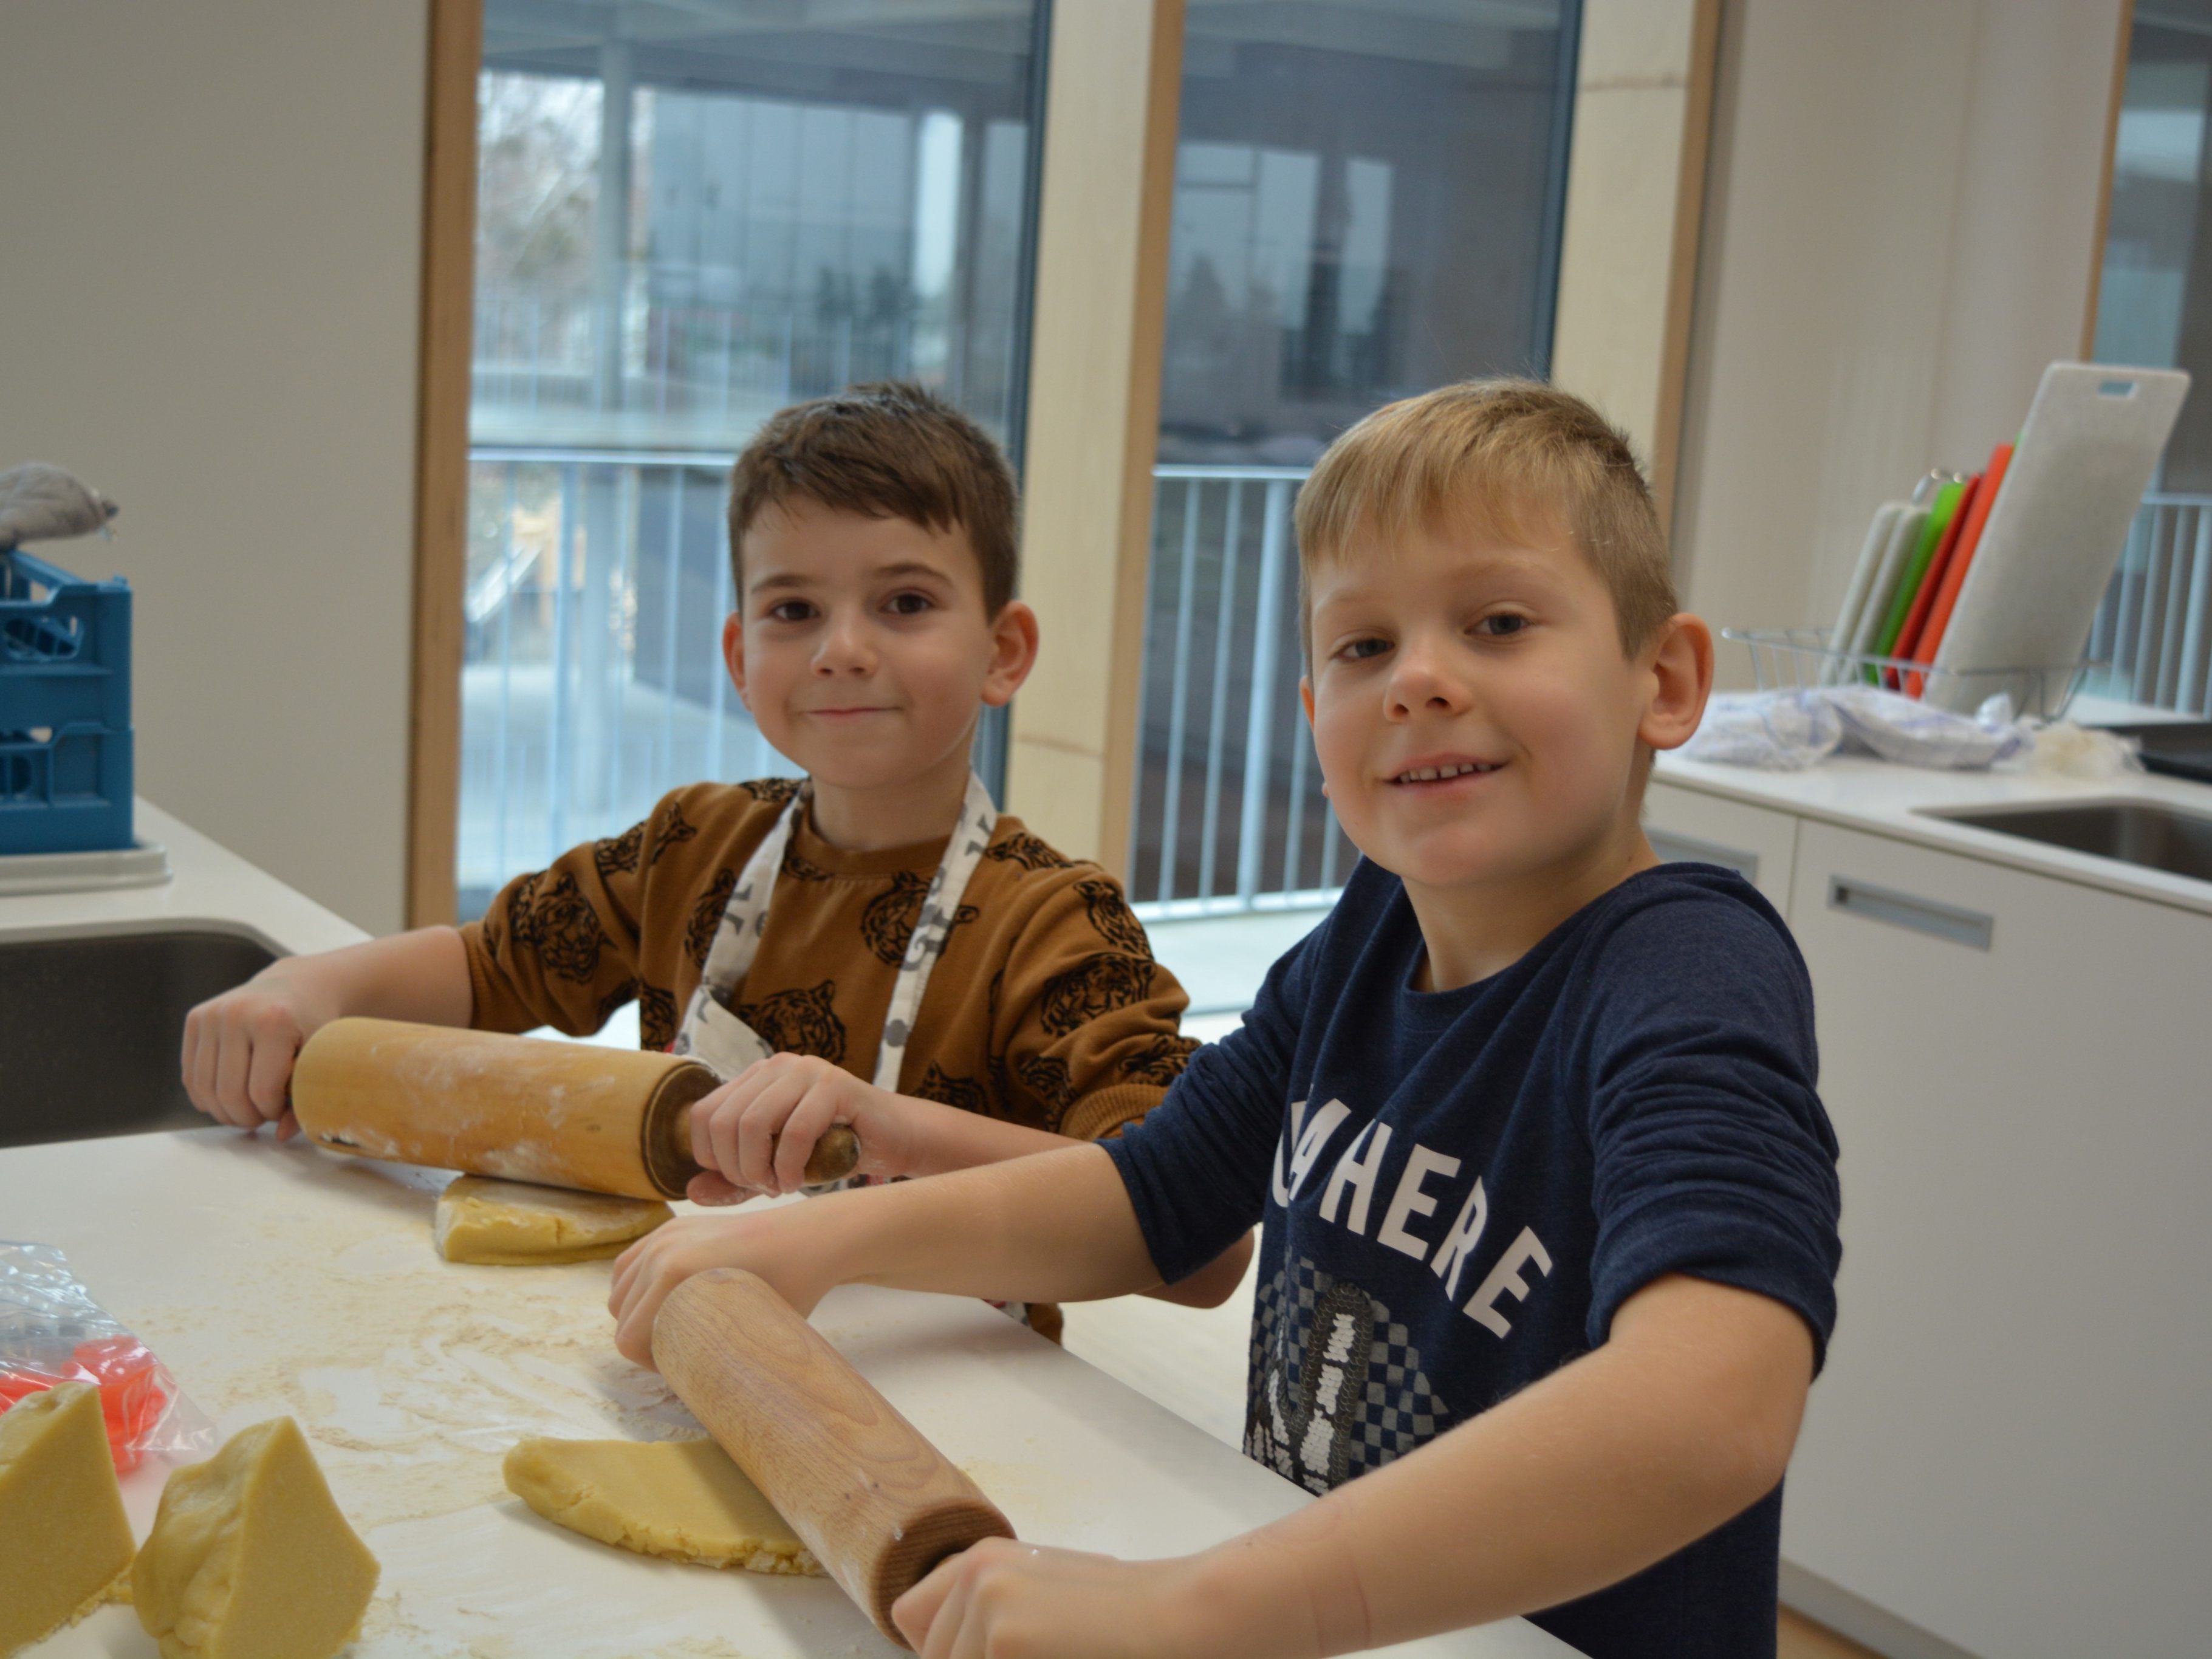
{"x": 1046, "y": 1009}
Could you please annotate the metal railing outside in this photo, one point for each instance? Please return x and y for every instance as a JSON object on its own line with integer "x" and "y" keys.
{"x": 1227, "y": 814}
{"x": 2153, "y": 628}
{"x": 593, "y": 680}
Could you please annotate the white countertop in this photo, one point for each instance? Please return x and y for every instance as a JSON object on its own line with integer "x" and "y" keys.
{"x": 283, "y": 1280}
{"x": 275, "y": 1280}
{"x": 1859, "y": 792}
{"x": 208, "y": 887}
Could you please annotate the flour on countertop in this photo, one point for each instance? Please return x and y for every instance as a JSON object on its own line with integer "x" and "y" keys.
{"x": 425, "y": 1371}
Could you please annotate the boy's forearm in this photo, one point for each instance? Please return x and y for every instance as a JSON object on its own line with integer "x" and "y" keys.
{"x": 421, "y": 976}
{"x": 1056, "y": 1228}
{"x": 949, "y": 1139}
{"x": 1606, "y": 1466}
{"x": 1211, "y": 1285}
{"x": 952, "y": 1140}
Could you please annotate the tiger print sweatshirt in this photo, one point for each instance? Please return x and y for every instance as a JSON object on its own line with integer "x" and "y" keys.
{"x": 1046, "y": 1009}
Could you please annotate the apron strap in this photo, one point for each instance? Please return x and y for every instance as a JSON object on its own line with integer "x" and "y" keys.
{"x": 737, "y": 941}
{"x": 745, "y": 918}
{"x": 940, "y": 906}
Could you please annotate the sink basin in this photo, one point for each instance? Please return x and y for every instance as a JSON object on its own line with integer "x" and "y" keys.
{"x": 91, "y": 1029}
{"x": 2137, "y": 832}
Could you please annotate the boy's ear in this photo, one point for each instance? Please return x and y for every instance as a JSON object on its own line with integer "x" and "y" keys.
{"x": 1305, "y": 700}
{"x": 1013, "y": 653}
{"x": 1680, "y": 679}
{"x": 734, "y": 651}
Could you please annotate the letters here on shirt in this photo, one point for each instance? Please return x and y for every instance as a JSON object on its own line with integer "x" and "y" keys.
{"x": 1338, "y": 1382}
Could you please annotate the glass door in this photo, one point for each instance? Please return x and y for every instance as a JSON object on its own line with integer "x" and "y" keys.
{"x": 2153, "y": 630}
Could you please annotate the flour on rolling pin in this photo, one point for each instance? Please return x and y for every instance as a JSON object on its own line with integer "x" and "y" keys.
{"x": 521, "y": 1109}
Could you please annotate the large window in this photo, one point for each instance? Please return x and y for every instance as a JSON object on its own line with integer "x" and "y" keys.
{"x": 1368, "y": 198}
{"x": 2153, "y": 631}
{"x": 688, "y": 217}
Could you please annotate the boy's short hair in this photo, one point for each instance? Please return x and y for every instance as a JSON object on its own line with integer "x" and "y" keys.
{"x": 1512, "y": 457}
{"x": 889, "y": 450}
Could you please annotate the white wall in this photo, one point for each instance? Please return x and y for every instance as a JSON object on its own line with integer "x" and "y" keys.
{"x": 208, "y": 283}
{"x": 1900, "y": 228}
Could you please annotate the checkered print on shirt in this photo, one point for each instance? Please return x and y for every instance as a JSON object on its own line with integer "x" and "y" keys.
{"x": 1399, "y": 1410}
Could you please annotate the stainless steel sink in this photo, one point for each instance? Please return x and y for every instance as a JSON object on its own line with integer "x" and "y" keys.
{"x": 91, "y": 1029}
{"x": 2137, "y": 832}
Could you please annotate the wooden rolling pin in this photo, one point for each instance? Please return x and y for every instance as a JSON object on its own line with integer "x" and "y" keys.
{"x": 877, "y": 1504}
{"x": 560, "y": 1113}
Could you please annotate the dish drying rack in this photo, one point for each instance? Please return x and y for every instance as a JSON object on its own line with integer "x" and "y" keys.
{"x": 1793, "y": 659}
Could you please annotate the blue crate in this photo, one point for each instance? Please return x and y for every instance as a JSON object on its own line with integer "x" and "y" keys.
{"x": 66, "y": 761}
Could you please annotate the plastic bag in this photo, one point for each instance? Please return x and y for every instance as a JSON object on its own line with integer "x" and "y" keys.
{"x": 1788, "y": 730}
{"x": 2065, "y": 749}
{"x": 1774, "y": 730}
{"x": 51, "y": 1331}
{"x": 1911, "y": 732}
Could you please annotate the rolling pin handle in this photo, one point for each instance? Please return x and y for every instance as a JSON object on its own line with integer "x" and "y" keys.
{"x": 836, "y": 1155}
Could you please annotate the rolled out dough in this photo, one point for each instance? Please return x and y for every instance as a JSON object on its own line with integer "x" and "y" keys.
{"x": 65, "y": 1545}
{"x": 684, "y": 1499}
{"x": 512, "y": 1224}
{"x": 250, "y": 1558}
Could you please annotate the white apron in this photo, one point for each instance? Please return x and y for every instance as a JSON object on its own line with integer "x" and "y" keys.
{"x": 716, "y": 1037}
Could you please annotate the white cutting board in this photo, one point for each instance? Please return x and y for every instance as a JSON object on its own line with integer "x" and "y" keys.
{"x": 282, "y": 1280}
{"x": 2093, "y": 439}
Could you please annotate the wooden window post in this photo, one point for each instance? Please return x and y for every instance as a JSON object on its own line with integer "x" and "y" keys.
{"x": 1103, "y": 214}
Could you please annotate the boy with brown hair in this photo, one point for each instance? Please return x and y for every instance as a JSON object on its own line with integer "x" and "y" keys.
{"x": 1549, "y": 1196}
{"x": 873, "y": 945}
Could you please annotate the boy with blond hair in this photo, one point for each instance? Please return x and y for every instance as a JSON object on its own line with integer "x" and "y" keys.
{"x": 873, "y": 946}
{"x": 1549, "y": 1197}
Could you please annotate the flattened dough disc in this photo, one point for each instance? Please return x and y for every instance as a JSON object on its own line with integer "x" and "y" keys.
{"x": 512, "y": 1224}
{"x": 684, "y": 1499}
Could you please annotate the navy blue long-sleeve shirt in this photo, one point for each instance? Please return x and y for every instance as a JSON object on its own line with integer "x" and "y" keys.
{"x": 1461, "y": 1188}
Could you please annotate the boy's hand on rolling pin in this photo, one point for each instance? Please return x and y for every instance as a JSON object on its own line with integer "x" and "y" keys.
{"x": 753, "y": 1134}
{"x": 239, "y": 1050}
{"x": 766, "y": 1242}
{"x": 1014, "y": 1600}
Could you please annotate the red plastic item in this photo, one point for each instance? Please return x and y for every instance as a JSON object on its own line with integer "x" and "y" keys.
{"x": 1916, "y": 619}
{"x": 1962, "y": 557}
{"x": 131, "y": 1395}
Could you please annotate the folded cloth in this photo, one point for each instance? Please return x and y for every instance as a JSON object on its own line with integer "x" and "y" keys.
{"x": 1789, "y": 731}
{"x": 42, "y": 503}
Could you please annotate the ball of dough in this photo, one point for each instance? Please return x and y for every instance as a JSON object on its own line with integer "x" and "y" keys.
{"x": 513, "y": 1223}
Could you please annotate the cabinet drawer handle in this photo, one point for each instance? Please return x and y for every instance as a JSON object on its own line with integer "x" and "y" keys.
{"x": 1904, "y": 910}
{"x": 1674, "y": 848}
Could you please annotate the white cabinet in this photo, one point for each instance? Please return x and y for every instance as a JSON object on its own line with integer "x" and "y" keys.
{"x": 2011, "y": 1447}
{"x": 1684, "y": 823}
